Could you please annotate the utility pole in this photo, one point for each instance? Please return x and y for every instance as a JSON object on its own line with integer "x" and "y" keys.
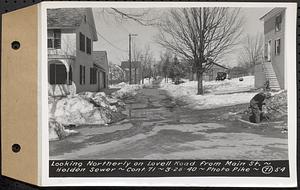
{"x": 130, "y": 57}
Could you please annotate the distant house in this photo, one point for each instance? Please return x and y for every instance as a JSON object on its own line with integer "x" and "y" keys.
{"x": 211, "y": 73}
{"x": 136, "y": 72}
{"x": 273, "y": 67}
{"x": 100, "y": 69}
{"x": 71, "y": 33}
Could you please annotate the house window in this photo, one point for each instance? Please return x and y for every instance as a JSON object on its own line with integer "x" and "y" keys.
{"x": 82, "y": 75}
{"x": 54, "y": 39}
{"x": 93, "y": 75}
{"x": 277, "y": 47}
{"x": 58, "y": 74}
{"x": 278, "y": 21}
{"x": 81, "y": 42}
{"x": 88, "y": 46}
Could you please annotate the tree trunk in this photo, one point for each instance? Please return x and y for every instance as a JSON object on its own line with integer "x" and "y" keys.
{"x": 200, "y": 83}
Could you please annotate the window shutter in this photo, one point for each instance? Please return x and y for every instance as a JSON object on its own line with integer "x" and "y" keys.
{"x": 50, "y": 37}
{"x": 83, "y": 74}
{"x": 88, "y": 46}
{"x": 57, "y": 39}
{"x": 91, "y": 75}
{"x": 81, "y": 42}
{"x": 80, "y": 75}
{"x": 278, "y": 47}
{"x": 50, "y": 43}
{"x": 57, "y": 43}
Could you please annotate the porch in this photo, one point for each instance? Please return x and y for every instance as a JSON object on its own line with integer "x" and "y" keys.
{"x": 60, "y": 75}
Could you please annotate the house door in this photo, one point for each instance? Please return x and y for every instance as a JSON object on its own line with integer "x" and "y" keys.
{"x": 269, "y": 51}
{"x": 101, "y": 80}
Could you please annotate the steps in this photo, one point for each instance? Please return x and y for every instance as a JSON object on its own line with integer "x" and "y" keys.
{"x": 271, "y": 76}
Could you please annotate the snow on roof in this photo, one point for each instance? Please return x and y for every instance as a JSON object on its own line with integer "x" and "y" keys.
{"x": 220, "y": 65}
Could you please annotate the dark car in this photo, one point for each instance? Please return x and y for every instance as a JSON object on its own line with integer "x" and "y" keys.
{"x": 221, "y": 75}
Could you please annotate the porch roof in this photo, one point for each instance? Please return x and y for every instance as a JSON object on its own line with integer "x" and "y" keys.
{"x": 99, "y": 67}
{"x": 57, "y": 56}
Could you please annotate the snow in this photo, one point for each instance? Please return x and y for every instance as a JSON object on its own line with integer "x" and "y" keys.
{"x": 84, "y": 109}
{"x": 217, "y": 93}
{"x": 148, "y": 83}
{"x": 57, "y": 131}
{"x": 127, "y": 90}
{"x": 88, "y": 108}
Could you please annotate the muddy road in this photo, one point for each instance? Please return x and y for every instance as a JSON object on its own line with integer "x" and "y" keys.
{"x": 158, "y": 127}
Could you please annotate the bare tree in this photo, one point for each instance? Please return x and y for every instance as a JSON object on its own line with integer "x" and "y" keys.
{"x": 165, "y": 61}
{"x": 142, "y": 16}
{"x": 201, "y": 35}
{"x": 145, "y": 56}
{"x": 252, "y": 52}
{"x": 116, "y": 73}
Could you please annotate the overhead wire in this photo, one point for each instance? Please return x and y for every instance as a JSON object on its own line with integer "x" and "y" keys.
{"x": 110, "y": 43}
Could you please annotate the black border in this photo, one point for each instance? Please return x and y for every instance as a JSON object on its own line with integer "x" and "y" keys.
{"x": 10, "y": 184}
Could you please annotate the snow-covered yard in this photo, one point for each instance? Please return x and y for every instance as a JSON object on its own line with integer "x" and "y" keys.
{"x": 217, "y": 93}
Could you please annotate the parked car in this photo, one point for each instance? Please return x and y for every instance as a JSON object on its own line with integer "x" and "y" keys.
{"x": 221, "y": 76}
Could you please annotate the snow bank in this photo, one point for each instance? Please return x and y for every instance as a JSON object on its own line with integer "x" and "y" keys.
{"x": 127, "y": 90}
{"x": 57, "y": 131}
{"x": 119, "y": 85}
{"x": 214, "y": 101}
{"x": 215, "y": 87}
{"x": 148, "y": 83}
{"x": 277, "y": 106}
{"x": 217, "y": 93}
{"x": 85, "y": 108}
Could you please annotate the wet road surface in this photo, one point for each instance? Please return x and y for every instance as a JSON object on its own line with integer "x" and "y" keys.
{"x": 159, "y": 127}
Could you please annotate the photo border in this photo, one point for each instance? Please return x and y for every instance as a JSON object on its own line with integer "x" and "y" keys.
{"x": 172, "y": 181}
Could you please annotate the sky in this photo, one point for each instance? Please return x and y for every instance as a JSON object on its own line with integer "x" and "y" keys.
{"x": 113, "y": 34}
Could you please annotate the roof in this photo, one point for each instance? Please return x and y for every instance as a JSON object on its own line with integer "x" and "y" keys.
{"x": 71, "y": 18}
{"x": 271, "y": 12}
{"x": 220, "y": 65}
{"x": 100, "y": 58}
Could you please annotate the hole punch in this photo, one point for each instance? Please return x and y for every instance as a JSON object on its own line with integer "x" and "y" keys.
{"x": 16, "y": 148}
{"x": 15, "y": 45}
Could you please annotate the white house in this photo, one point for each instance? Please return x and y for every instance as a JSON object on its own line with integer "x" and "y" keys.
{"x": 101, "y": 63}
{"x": 274, "y": 65}
{"x": 71, "y": 68}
